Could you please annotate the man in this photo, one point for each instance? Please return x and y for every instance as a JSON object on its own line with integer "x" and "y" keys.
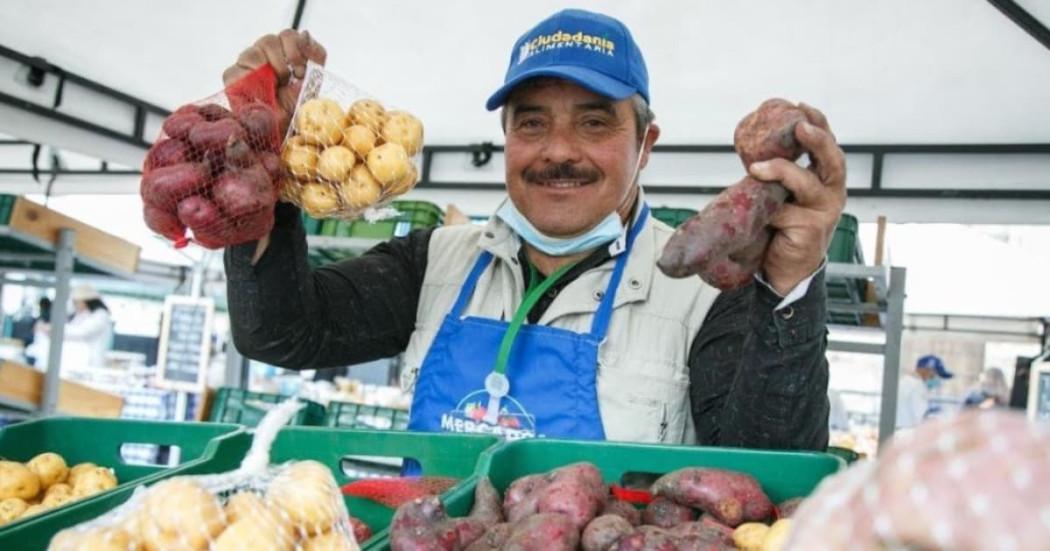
{"x": 553, "y": 319}
{"x": 913, "y": 396}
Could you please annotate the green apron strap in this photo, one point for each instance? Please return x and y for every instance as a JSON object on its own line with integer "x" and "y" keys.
{"x": 531, "y": 298}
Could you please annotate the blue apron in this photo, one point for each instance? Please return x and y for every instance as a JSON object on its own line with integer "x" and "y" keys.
{"x": 546, "y": 380}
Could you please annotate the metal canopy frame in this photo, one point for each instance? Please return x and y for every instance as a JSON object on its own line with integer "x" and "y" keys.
{"x": 1023, "y": 19}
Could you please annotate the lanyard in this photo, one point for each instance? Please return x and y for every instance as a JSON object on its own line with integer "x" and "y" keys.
{"x": 532, "y": 296}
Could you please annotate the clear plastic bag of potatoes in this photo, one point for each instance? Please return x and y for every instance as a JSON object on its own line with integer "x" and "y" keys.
{"x": 215, "y": 167}
{"x": 295, "y": 506}
{"x": 347, "y": 153}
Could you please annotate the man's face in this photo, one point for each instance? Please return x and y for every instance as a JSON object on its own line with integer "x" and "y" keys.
{"x": 570, "y": 155}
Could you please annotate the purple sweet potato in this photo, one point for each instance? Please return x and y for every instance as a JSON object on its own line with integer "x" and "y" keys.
{"x": 602, "y": 532}
{"x": 543, "y": 532}
{"x": 260, "y": 121}
{"x": 163, "y": 222}
{"x": 725, "y": 243}
{"x": 421, "y": 525}
{"x": 179, "y": 123}
{"x": 240, "y": 192}
{"x": 215, "y": 135}
{"x": 731, "y": 497}
{"x": 664, "y": 513}
{"x": 493, "y": 538}
{"x": 166, "y": 153}
{"x": 705, "y": 531}
{"x": 623, "y": 509}
{"x": 199, "y": 213}
{"x": 487, "y": 507}
{"x": 651, "y": 538}
{"x": 787, "y": 508}
{"x": 165, "y": 186}
{"x": 575, "y": 490}
{"x": 769, "y": 132}
{"x": 728, "y": 229}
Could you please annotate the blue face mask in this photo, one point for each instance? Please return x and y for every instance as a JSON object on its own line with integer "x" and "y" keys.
{"x": 933, "y": 383}
{"x": 608, "y": 230}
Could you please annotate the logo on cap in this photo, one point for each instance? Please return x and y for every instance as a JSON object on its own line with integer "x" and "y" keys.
{"x": 562, "y": 39}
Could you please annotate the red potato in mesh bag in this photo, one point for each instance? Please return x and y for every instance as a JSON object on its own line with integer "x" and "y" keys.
{"x": 731, "y": 497}
{"x": 726, "y": 241}
{"x": 225, "y": 159}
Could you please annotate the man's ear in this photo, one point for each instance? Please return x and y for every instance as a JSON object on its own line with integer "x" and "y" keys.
{"x": 650, "y": 140}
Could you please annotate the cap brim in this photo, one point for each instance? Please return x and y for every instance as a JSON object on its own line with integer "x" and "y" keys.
{"x": 594, "y": 81}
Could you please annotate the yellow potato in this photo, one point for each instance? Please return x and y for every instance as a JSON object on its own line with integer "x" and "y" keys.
{"x": 12, "y": 508}
{"x": 253, "y": 534}
{"x": 360, "y": 138}
{"x": 318, "y": 199}
{"x": 78, "y": 470}
{"x": 332, "y": 541}
{"x": 359, "y": 194}
{"x": 93, "y": 539}
{"x": 57, "y": 495}
{"x": 368, "y": 113}
{"x": 94, "y": 481}
{"x": 301, "y": 161}
{"x": 749, "y": 536}
{"x": 406, "y": 183}
{"x": 320, "y": 121}
{"x": 34, "y": 510}
{"x": 50, "y": 468}
{"x": 182, "y": 514}
{"x": 16, "y": 480}
{"x": 250, "y": 507}
{"x": 777, "y": 535}
{"x": 335, "y": 163}
{"x": 310, "y": 469}
{"x": 308, "y": 500}
{"x": 388, "y": 163}
{"x": 404, "y": 130}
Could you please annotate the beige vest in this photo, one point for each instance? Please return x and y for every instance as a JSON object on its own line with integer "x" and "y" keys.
{"x": 643, "y": 377}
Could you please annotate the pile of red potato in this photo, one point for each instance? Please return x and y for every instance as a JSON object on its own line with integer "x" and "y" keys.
{"x": 693, "y": 509}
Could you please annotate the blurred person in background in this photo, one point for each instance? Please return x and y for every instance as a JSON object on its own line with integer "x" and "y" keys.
{"x": 913, "y": 394}
{"x": 87, "y": 333}
{"x": 991, "y": 392}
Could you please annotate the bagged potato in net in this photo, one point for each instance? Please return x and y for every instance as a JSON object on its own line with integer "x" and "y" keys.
{"x": 212, "y": 175}
{"x": 347, "y": 153}
{"x": 295, "y": 506}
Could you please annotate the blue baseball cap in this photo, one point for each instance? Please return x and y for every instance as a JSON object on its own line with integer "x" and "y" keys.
{"x": 590, "y": 49}
{"x": 934, "y": 363}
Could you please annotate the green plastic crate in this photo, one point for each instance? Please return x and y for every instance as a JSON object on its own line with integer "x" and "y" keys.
{"x": 7, "y": 204}
{"x": 672, "y": 216}
{"x": 234, "y": 405}
{"x": 844, "y": 247}
{"x": 783, "y": 475}
{"x": 414, "y": 215}
{"x": 311, "y": 224}
{"x": 360, "y": 416}
{"x": 99, "y": 441}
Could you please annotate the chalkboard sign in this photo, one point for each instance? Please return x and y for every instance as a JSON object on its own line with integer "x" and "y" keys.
{"x": 185, "y": 343}
{"x": 1039, "y": 392}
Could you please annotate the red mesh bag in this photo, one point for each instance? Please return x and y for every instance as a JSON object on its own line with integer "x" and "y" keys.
{"x": 215, "y": 169}
{"x": 393, "y": 492}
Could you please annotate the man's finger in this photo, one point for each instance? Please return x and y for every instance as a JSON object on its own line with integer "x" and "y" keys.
{"x": 828, "y": 160}
{"x": 312, "y": 49}
{"x": 791, "y": 215}
{"x": 274, "y": 51}
{"x": 803, "y": 184}
{"x": 814, "y": 115}
{"x": 290, "y": 46}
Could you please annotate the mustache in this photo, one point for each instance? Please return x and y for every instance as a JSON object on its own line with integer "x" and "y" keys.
{"x": 561, "y": 171}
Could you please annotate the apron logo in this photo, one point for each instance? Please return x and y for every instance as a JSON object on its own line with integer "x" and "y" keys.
{"x": 513, "y": 422}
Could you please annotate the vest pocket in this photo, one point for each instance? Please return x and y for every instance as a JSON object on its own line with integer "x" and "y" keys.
{"x": 639, "y": 407}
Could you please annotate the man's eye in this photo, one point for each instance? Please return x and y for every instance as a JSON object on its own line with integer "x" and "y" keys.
{"x": 530, "y": 123}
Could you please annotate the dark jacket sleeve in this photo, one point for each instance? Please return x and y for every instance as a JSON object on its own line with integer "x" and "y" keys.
{"x": 759, "y": 377}
{"x": 357, "y": 310}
